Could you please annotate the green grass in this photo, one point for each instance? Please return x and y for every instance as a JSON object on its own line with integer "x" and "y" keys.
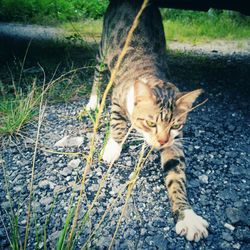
{"x": 190, "y": 26}
{"x": 21, "y": 108}
{"x": 183, "y": 26}
{"x": 48, "y": 11}
{"x": 22, "y": 82}
{"x": 85, "y": 29}
{"x": 16, "y": 111}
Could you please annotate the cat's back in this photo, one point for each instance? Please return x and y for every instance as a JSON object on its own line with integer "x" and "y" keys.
{"x": 148, "y": 41}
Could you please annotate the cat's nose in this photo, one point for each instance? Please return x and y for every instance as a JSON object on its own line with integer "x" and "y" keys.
{"x": 162, "y": 142}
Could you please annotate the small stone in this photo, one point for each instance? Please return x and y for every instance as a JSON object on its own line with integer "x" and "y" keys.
{"x": 236, "y": 246}
{"x": 231, "y": 128}
{"x": 159, "y": 223}
{"x": 68, "y": 141}
{"x": 188, "y": 246}
{"x": 54, "y": 236}
{"x": 44, "y": 184}
{"x": 129, "y": 163}
{"x": 233, "y": 214}
{"x": 46, "y": 201}
{"x": 143, "y": 231}
{"x": 226, "y": 236}
{"x": 149, "y": 240}
{"x": 52, "y": 117}
{"x": 229, "y": 226}
{"x": 160, "y": 242}
{"x": 156, "y": 189}
{"x": 203, "y": 178}
{"x": 17, "y": 189}
{"x": 66, "y": 171}
{"x": 74, "y": 163}
{"x": 5, "y": 205}
{"x": 35, "y": 204}
{"x": 40, "y": 245}
{"x": 59, "y": 188}
{"x": 224, "y": 245}
{"x": 23, "y": 222}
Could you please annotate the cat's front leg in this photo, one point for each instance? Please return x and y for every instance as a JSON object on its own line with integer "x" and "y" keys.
{"x": 118, "y": 130}
{"x": 189, "y": 224}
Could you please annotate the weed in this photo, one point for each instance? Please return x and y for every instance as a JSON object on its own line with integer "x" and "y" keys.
{"x": 17, "y": 111}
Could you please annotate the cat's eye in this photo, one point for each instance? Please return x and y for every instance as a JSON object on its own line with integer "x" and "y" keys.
{"x": 151, "y": 124}
{"x": 176, "y": 126}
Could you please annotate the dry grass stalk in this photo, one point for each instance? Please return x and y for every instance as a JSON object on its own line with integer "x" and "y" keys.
{"x": 41, "y": 115}
{"x": 92, "y": 145}
{"x": 130, "y": 186}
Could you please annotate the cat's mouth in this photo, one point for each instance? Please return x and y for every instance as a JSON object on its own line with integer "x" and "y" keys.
{"x": 159, "y": 146}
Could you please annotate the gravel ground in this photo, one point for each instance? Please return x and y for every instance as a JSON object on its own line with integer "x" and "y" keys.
{"x": 217, "y": 154}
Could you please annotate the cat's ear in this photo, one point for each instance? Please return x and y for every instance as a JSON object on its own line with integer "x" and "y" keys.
{"x": 142, "y": 91}
{"x": 185, "y": 100}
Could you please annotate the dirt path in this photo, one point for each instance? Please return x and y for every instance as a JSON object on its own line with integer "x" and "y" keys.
{"x": 20, "y": 32}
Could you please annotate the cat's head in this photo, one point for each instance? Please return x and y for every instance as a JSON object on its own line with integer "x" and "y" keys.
{"x": 159, "y": 113}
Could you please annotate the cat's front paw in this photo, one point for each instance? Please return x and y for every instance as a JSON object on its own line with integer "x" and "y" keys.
{"x": 112, "y": 151}
{"x": 93, "y": 103}
{"x": 193, "y": 227}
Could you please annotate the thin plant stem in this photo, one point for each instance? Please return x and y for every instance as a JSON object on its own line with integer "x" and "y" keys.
{"x": 46, "y": 223}
{"x": 104, "y": 216}
{"x": 6, "y": 231}
{"x": 16, "y": 237}
{"x": 92, "y": 144}
{"x": 87, "y": 214}
{"x": 131, "y": 183}
{"x": 41, "y": 114}
{"x": 24, "y": 59}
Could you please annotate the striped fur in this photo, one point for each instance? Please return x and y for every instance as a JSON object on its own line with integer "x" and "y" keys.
{"x": 143, "y": 96}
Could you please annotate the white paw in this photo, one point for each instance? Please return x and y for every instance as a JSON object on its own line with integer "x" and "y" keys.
{"x": 112, "y": 151}
{"x": 93, "y": 103}
{"x": 193, "y": 227}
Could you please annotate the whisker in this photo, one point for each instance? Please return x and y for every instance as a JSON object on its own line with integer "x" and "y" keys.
{"x": 132, "y": 140}
{"x": 132, "y": 137}
{"x": 182, "y": 139}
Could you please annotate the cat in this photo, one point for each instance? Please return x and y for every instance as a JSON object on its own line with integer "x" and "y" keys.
{"x": 143, "y": 95}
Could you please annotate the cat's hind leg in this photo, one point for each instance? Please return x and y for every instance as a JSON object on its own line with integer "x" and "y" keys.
{"x": 93, "y": 103}
{"x": 189, "y": 224}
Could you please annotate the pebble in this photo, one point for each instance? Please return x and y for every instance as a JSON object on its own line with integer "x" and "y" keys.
{"x": 231, "y": 128}
{"x": 55, "y": 235}
{"x": 74, "y": 163}
{"x": 229, "y": 226}
{"x": 68, "y": 141}
{"x": 46, "y": 201}
{"x": 203, "y": 178}
{"x": 44, "y": 184}
{"x": 18, "y": 188}
{"x": 66, "y": 171}
{"x": 236, "y": 246}
{"x": 226, "y": 236}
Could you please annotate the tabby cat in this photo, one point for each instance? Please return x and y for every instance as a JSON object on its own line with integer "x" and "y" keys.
{"x": 143, "y": 95}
